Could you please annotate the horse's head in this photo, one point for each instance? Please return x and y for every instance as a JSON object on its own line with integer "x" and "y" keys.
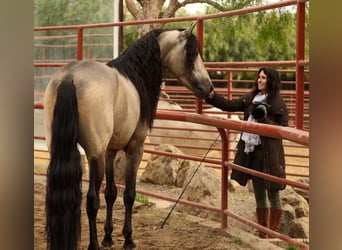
{"x": 180, "y": 55}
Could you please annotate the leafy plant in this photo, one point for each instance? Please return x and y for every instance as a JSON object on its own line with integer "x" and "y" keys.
{"x": 237, "y": 240}
{"x": 292, "y": 247}
{"x": 141, "y": 198}
{"x": 305, "y": 241}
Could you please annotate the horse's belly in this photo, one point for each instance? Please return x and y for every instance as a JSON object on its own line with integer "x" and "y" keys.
{"x": 122, "y": 133}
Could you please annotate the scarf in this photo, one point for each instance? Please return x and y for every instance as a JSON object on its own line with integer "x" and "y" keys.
{"x": 251, "y": 140}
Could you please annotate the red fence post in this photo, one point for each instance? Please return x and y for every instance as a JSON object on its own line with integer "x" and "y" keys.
{"x": 230, "y": 96}
{"x": 199, "y": 102}
{"x": 79, "y": 43}
{"x": 299, "y": 67}
{"x": 224, "y": 178}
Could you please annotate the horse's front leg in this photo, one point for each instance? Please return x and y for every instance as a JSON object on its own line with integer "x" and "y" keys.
{"x": 133, "y": 160}
{"x": 110, "y": 196}
{"x": 93, "y": 199}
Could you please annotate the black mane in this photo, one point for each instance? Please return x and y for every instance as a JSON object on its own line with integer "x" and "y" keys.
{"x": 191, "y": 52}
{"x": 141, "y": 63}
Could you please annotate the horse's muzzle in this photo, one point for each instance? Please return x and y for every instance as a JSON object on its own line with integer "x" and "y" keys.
{"x": 204, "y": 91}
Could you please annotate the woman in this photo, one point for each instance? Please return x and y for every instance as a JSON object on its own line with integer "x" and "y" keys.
{"x": 264, "y": 105}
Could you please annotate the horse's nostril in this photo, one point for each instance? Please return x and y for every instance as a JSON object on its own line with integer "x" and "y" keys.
{"x": 200, "y": 90}
{"x": 203, "y": 92}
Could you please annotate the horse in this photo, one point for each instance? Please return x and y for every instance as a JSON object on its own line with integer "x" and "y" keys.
{"x": 104, "y": 108}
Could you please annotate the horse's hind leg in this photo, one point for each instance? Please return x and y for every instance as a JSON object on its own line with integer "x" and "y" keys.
{"x": 110, "y": 196}
{"x": 96, "y": 170}
{"x": 133, "y": 160}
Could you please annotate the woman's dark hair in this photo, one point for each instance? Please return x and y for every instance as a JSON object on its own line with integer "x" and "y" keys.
{"x": 273, "y": 83}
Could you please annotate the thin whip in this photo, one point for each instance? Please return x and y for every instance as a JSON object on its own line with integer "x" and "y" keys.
{"x": 192, "y": 175}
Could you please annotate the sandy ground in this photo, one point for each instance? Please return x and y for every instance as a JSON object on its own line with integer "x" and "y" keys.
{"x": 180, "y": 232}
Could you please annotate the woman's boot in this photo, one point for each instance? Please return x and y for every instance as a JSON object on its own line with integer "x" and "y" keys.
{"x": 275, "y": 219}
{"x": 263, "y": 216}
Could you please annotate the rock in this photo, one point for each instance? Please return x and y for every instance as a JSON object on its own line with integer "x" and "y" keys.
{"x": 301, "y": 206}
{"x": 231, "y": 185}
{"x": 303, "y": 192}
{"x": 183, "y": 173}
{"x": 242, "y": 202}
{"x": 250, "y": 186}
{"x": 299, "y": 228}
{"x": 161, "y": 169}
{"x": 119, "y": 167}
{"x": 289, "y": 214}
{"x": 204, "y": 188}
{"x": 204, "y": 183}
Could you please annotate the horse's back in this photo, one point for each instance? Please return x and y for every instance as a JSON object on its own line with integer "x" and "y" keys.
{"x": 108, "y": 104}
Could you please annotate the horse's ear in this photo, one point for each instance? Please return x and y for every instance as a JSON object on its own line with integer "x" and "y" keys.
{"x": 189, "y": 30}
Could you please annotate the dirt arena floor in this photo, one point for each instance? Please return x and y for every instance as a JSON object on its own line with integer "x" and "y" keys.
{"x": 180, "y": 232}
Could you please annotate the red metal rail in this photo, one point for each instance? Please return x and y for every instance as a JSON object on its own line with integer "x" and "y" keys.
{"x": 292, "y": 134}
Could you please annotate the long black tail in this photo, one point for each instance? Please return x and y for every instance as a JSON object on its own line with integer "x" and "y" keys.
{"x": 63, "y": 192}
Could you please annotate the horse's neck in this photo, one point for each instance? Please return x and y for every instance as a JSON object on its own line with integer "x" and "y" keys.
{"x": 166, "y": 41}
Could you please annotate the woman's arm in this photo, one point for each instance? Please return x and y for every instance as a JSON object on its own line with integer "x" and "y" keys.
{"x": 222, "y": 103}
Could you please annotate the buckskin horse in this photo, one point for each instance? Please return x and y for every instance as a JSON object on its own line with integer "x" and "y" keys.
{"x": 106, "y": 108}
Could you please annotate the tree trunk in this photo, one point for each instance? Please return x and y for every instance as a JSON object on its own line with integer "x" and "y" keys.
{"x": 153, "y": 9}
{"x": 147, "y": 10}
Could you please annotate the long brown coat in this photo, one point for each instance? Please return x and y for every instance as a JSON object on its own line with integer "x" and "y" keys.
{"x": 272, "y": 148}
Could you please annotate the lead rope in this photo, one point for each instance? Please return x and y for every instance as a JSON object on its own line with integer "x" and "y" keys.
{"x": 192, "y": 175}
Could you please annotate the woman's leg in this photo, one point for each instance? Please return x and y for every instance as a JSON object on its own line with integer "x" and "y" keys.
{"x": 274, "y": 199}
{"x": 259, "y": 192}
{"x": 275, "y": 210}
{"x": 262, "y": 210}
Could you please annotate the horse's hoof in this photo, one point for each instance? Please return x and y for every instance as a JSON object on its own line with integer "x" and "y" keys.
{"x": 90, "y": 247}
{"x": 129, "y": 245}
{"x": 107, "y": 242}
